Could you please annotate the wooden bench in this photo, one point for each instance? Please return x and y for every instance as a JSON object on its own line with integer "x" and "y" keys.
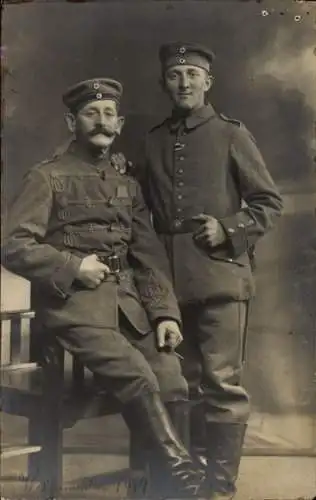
{"x": 35, "y": 385}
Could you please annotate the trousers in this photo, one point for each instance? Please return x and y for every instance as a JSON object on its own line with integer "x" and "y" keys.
{"x": 213, "y": 351}
{"x": 127, "y": 363}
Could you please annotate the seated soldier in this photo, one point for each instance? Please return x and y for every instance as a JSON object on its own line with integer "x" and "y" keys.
{"x": 80, "y": 232}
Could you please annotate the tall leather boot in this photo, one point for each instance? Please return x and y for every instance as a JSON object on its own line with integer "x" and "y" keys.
{"x": 179, "y": 413}
{"x": 225, "y": 442}
{"x": 141, "y": 458}
{"x": 140, "y": 485}
{"x": 174, "y": 470}
{"x": 198, "y": 438}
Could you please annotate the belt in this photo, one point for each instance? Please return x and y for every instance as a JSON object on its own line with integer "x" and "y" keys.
{"x": 116, "y": 263}
{"x": 177, "y": 226}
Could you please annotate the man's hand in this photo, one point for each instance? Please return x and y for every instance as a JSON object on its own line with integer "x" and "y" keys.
{"x": 92, "y": 272}
{"x": 211, "y": 233}
{"x": 168, "y": 334}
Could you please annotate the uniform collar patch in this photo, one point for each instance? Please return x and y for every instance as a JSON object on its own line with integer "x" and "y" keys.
{"x": 195, "y": 119}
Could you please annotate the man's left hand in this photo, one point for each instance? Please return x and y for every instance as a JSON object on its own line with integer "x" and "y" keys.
{"x": 210, "y": 233}
{"x": 168, "y": 334}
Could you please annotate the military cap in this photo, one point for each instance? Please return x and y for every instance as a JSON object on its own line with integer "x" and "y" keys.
{"x": 92, "y": 90}
{"x": 180, "y": 53}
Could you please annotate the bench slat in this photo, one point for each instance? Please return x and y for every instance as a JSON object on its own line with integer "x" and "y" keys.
{"x": 14, "y": 451}
{"x": 5, "y": 342}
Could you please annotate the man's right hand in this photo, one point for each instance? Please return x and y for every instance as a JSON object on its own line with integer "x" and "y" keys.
{"x": 92, "y": 272}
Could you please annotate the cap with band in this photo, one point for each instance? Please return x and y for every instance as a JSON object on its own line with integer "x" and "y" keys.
{"x": 92, "y": 90}
{"x": 181, "y": 53}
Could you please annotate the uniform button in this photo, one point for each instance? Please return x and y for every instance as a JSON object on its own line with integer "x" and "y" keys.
{"x": 180, "y": 183}
{"x": 181, "y": 158}
{"x": 241, "y": 225}
{"x": 180, "y": 171}
{"x": 230, "y": 230}
{"x": 230, "y": 260}
{"x": 179, "y": 210}
{"x": 177, "y": 223}
{"x": 179, "y": 196}
{"x": 62, "y": 214}
{"x": 63, "y": 201}
{"x": 178, "y": 146}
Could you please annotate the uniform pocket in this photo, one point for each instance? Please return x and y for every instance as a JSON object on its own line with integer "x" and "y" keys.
{"x": 84, "y": 307}
{"x": 200, "y": 275}
{"x": 120, "y": 202}
{"x": 131, "y": 304}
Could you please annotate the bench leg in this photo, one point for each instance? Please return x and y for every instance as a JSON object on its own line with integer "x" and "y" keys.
{"x": 51, "y": 470}
{"x": 35, "y": 439}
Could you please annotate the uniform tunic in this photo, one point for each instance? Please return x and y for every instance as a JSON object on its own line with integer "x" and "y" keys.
{"x": 209, "y": 164}
{"x": 70, "y": 207}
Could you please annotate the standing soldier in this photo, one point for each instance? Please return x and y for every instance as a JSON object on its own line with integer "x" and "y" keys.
{"x": 80, "y": 232}
{"x": 211, "y": 197}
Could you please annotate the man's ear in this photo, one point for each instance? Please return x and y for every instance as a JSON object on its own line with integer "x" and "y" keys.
{"x": 120, "y": 124}
{"x": 70, "y": 121}
{"x": 209, "y": 81}
{"x": 162, "y": 83}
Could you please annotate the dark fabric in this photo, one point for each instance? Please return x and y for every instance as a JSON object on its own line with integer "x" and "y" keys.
{"x": 175, "y": 473}
{"x": 213, "y": 348}
{"x": 126, "y": 362}
{"x": 73, "y": 206}
{"x": 141, "y": 457}
{"x": 208, "y": 164}
{"x": 224, "y": 454}
{"x": 89, "y": 90}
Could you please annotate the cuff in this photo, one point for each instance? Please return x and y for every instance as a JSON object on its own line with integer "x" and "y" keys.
{"x": 236, "y": 228}
{"x": 157, "y": 314}
{"x": 175, "y": 318}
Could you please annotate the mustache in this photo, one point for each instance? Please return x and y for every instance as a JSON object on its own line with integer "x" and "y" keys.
{"x": 102, "y": 130}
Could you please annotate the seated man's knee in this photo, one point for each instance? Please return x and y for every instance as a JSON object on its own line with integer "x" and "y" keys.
{"x": 147, "y": 379}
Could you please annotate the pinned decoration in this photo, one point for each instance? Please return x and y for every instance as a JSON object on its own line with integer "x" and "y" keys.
{"x": 119, "y": 162}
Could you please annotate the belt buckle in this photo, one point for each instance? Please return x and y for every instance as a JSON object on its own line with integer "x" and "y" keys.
{"x": 114, "y": 263}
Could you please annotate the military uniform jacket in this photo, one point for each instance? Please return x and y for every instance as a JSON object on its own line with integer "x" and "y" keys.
{"x": 68, "y": 208}
{"x": 208, "y": 164}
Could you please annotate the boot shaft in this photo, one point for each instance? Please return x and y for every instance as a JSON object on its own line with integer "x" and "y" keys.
{"x": 224, "y": 450}
{"x": 149, "y": 422}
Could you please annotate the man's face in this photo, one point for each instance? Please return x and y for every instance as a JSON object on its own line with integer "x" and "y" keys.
{"x": 186, "y": 86}
{"x": 96, "y": 124}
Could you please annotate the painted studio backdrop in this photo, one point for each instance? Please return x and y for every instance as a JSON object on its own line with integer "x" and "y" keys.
{"x": 265, "y": 75}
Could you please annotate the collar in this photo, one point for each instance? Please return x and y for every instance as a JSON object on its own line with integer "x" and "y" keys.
{"x": 76, "y": 149}
{"x": 193, "y": 120}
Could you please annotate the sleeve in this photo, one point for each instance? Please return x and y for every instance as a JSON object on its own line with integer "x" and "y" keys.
{"x": 151, "y": 266}
{"x": 262, "y": 203}
{"x": 24, "y": 249}
{"x": 140, "y": 171}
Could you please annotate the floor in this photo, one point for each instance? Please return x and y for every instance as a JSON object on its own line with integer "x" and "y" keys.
{"x": 95, "y": 457}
